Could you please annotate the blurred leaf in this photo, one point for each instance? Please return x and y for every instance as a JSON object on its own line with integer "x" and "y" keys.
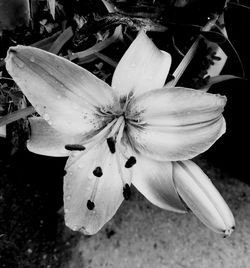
{"x": 106, "y": 59}
{"x": 218, "y": 79}
{"x": 99, "y": 46}
{"x": 14, "y": 13}
{"x": 218, "y": 58}
{"x": 52, "y": 7}
{"x": 47, "y": 43}
{"x": 9, "y": 118}
{"x": 61, "y": 40}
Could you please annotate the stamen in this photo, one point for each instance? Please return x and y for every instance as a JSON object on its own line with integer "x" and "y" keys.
{"x": 130, "y": 162}
{"x": 126, "y": 191}
{"x": 118, "y": 127}
{"x": 126, "y": 187}
{"x": 111, "y": 144}
{"x": 98, "y": 172}
{"x": 74, "y": 147}
{"x": 98, "y": 138}
{"x": 90, "y": 205}
{"x": 90, "y": 202}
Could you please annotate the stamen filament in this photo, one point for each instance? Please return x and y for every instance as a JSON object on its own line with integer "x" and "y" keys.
{"x": 111, "y": 140}
{"x": 126, "y": 187}
{"x": 97, "y": 172}
{"x": 93, "y": 194}
{"x": 116, "y": 127}
{"x": 120, "y": 168}
{"x": 120, "y": 133}
{"x": 98, "y": 138}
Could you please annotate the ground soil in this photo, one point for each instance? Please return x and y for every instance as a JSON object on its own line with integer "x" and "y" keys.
{"x": 33, "y": 234}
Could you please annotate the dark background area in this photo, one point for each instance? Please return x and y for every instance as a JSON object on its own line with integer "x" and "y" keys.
{"x": 32, "y": 231}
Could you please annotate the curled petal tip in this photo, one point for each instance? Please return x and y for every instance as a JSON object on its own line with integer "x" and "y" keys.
{"x": 228, "y": 231}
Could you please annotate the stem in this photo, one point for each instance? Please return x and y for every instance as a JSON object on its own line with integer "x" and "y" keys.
{"x": 7, "y": 119}
{"x": 189, "y": 56}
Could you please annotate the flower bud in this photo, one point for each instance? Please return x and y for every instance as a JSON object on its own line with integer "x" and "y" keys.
{"x": 200, "y": 195}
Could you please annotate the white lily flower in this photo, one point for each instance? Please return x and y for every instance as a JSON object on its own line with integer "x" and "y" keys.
{"x": 129, "y": 132}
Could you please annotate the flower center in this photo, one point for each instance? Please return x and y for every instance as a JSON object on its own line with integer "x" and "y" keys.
{"x": 111, "y": 135}
{"x": 113, "y": 141}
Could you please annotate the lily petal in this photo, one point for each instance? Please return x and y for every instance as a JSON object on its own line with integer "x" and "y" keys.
{"x": 80, "y": 184}
{"x": 62, "y": 92}
{"x": 202, "y": 197}
{"x": 46, "y": 140}
{"x": 176, "y": 123}
{"x": 143, "y": 67}
{"x": 155, "y": 181}
{"x": 3, "y": 131}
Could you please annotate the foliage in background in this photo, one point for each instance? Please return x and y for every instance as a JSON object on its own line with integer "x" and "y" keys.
{"x": 95, "y": 34}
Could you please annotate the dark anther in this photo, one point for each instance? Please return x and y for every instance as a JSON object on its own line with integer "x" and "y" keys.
{"x": 126, "y": 192}
{"x": 90, "y": 205}
{"x": 130, "y": 162}
{"x": 111, "y": 144}
{"x": 98, "y": 172}
{"x": 74, "y": 147}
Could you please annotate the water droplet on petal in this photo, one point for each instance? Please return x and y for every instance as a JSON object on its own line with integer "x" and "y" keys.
{"x": 19, "y": 63}
{"x": 46, "y": 117}
{"x": 68, "y": 197}
{"x": 32, "y": 59}
{"x": 74, "y": 227}
{"x": 66, "y": 210}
